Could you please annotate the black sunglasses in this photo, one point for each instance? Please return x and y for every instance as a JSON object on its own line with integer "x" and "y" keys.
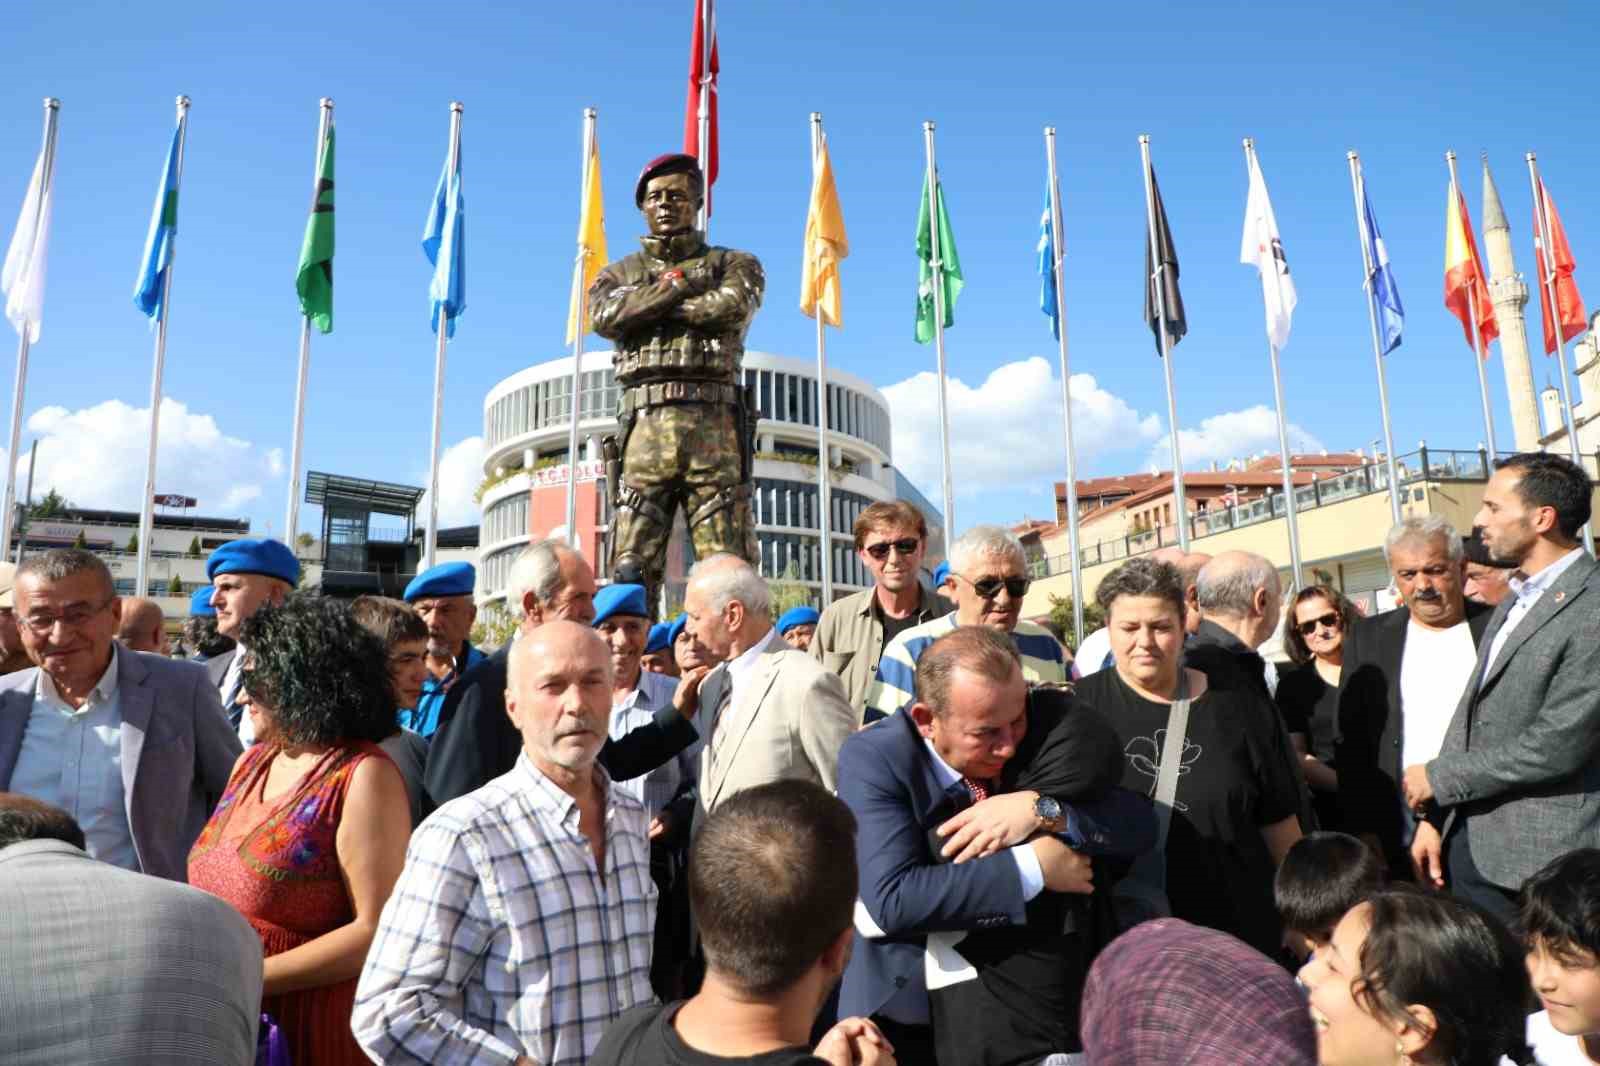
{"x": 990, "y": 587}
{"x": 880, "y": 551}
{"x": 1331, "y": 620}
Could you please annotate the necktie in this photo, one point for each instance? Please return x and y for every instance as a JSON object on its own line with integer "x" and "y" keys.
{"x": 980, "y": 789}
{"x": 231, "y": 704}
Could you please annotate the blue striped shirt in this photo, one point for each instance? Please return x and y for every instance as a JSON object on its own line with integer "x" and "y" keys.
{"x": 1042, "y": 661}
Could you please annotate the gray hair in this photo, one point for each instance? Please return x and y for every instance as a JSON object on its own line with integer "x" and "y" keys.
{"x": 536, "y": 570}
{"x": 1144, "y": 576}
{"x": 58, "y": 564}
{"x": 725, "y": 577}
{"x": 1231, "y": 589}
{"x": 1423, "y": 529}
{"x": 984, "y": 542}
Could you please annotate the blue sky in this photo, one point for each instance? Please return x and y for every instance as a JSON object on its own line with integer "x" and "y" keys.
{"x": 1307, "y": 81}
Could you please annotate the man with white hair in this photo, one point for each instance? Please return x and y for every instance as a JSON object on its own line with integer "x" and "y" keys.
{"x": 988, "y": 578}
{"x": 1240, "y": 599}
{"x": 771, "y": 711}
{"x": 476, "y": 742}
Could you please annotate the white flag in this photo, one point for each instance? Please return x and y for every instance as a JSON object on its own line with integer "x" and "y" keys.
{"x": 1262, "y": 249}
{"x": 22, "y": 277}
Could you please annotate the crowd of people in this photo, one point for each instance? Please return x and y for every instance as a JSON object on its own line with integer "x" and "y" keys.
{"x": 911, "y": 827}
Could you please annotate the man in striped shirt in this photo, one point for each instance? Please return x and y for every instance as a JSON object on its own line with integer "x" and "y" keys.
{"x": 988, "y": 578}
{"x": 521, "y": 925}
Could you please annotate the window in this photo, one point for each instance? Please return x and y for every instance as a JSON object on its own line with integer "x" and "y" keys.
{"x": 764, "y": 400}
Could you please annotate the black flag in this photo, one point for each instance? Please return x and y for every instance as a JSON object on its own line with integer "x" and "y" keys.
{"x": 1177, "y": 324}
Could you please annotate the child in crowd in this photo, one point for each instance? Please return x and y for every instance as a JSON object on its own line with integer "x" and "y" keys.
{"x": 1322, "y": 877}
{"x": 1561, "y": 927}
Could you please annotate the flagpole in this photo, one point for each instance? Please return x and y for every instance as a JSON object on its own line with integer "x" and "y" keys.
{"x": 582, "y": 297}
{"x": 52, "y": 108}
{"x": 1057, "y": 250}
{"x": 1547, "y": 280}
{"x": 937, "y": 267}
{"x": 430, "y": 540}
{"x": 147, "y": 505}
{"x": 824, "y": 487}
{"x": 1252, "y": 167}
{"x": 1358, "y": 187}
{"x": 1158, "y": 278}
{"x": 292, "y": 520}
{"x": 1477, "y": 334}
{"x": 708, "y": 34}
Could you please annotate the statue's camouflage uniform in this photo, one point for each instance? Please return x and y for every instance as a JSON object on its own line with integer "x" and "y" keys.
{"x": 686, "y": 432}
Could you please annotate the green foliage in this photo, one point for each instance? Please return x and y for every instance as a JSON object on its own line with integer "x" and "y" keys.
{"x": 52, "y": 503}
{"x": 80, "y": 541}
{"x": 194, "y": 548}
{"x": 494, "y": 479}
{"x": 133, "y": 544}
{"x": 174, "y": 586}
{"x": 788, "y": 591}
{"x": 304, "y": 541}
{"x": 1061, "y": 614}
{"x": 494, "y": 627}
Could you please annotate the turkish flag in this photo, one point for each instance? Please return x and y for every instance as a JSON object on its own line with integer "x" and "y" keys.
{"x": 1566, "y": 286}
{"x": 702, "y": 75}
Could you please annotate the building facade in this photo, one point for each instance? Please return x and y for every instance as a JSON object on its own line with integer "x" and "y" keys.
{"x": 527, "y": 419}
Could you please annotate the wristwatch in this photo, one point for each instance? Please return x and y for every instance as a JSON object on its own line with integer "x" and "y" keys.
{"x": 1048, "y": 811}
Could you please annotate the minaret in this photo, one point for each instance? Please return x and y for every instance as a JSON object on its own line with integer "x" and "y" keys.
{"x": 1510, "y": 296}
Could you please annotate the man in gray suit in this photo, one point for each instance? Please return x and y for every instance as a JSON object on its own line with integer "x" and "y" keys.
{"x": 135, "y": 747}
{"x": 1514, "y": 784}
{"x": 102, "y": 965}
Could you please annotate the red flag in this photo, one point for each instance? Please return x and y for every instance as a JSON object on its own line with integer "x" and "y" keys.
{"x": 1463, "y": 273}
{"x": 699, "y": 71}
{"x": 1567, "y": 298}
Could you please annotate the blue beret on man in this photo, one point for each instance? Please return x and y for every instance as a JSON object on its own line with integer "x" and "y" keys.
{"x": 620, "y": 599}
{"x": 270, "y": 557}
{"x": 660, "y": 638}
{"x": 797, "y": 616}
{"x": 446, "y": 579}
{"x": 200, "y": 603}
{"x": 679, "y": 624}
{"x": 940, "y": 573}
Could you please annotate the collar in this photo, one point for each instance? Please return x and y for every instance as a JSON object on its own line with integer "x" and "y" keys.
{"x": 1532, "y": 587}
{"x": 23, "y": 848}
{"x": 925, "y": 604}
{"x": 551, "y": 798}
{"x": 947, "y": 774}
{"x": 737, "y": 668}
{"x": 676, "y": 246}
{"x": 1212, "y": 633}
{"x": 103, "y": 690}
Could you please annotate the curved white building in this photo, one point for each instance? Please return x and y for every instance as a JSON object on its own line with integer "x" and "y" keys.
{"x": 526, "y": 422}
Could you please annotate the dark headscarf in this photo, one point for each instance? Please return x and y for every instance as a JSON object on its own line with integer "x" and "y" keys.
{"x": 1167, "y": 991}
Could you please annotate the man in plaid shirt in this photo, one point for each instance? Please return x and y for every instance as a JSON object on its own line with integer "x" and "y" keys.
{"x": 522, "y": 923}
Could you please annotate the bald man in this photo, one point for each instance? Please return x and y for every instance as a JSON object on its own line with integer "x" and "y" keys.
{"x": 144, "y": 627}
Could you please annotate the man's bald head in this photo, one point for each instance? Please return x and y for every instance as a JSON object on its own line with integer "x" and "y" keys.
{"x": 1240, "y": 591}
{"x": 143, "y": 626}
{"x": 1188, "y": 565}
{"x": 728, "y": 605}
{"x": 559, "y": 697}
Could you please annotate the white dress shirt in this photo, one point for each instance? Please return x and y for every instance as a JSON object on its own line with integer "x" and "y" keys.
{"x": 657, "y": 788}
{"x": 1527, "y": 590}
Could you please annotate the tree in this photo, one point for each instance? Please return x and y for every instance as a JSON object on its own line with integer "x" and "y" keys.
{"x": 175, "y": 586}
{"x": 133, "y": 544}
{"x": 494, "y": 627}
{"x": 1061, "y": 614}
{"x": 788, "y": 591}
{"x": 80, "y": 541}
{"x": 304, "y": 542}
{"x": 50, "y": 504}
{"x": 194, "y": 548}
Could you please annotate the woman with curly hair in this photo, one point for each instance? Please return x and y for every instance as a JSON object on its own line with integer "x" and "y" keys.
{"x": 1308, "y": 695}
{"x": 311, "y": 833}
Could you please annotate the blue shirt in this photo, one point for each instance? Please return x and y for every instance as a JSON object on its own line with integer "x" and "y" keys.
{"x": 72, "y": 757}
{"x": 657, "y": 788}
{"x": 423, "y": 719}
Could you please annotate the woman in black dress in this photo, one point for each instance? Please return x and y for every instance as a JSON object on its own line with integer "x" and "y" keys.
{"x": 1308, "y": 695}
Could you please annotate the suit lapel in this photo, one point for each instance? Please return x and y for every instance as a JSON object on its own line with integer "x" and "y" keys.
{"x": 15, "y": 706}
{"x": 137, "y": 704}
{"x": 1565, "y": 591}
{"x": 728, "y": 736}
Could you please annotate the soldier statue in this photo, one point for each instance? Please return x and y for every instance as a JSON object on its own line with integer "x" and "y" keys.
{"x": 678, "y": 312}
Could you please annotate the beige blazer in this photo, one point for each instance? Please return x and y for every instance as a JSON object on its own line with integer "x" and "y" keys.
{"x": 789, "y": 720}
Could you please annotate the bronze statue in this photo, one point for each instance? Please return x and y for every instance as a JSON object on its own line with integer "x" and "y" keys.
{"x": 678, "y": 312}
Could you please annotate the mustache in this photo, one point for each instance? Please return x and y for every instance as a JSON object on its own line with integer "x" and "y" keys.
{"x": 1427, "y": 595}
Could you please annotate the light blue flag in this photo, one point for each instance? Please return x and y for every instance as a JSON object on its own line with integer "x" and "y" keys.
{"x": 1047, "y": 270}
{"x": 1391, "y": 315}
{"x": 149, "y": 290}
{"x": 444, "y": 242}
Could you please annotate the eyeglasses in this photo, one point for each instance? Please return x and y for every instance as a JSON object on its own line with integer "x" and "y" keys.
{"x": 75, "y": 617}
{"x": 1331, "y": 620}
{"x": 905, "y": 546}
{"x": 990, "y": 587}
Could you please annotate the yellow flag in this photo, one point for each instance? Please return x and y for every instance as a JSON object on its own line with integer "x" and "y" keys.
{"x": 591, "y": 243}
{"x": 826, "y": 245}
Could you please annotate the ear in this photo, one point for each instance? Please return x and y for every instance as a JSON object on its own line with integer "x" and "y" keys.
{"x": 836, "y": 956}
{"x": 116, "y": 610}
{"x": 472, "y": 614}
{"x": 1544, "y": 520}
{"x": 1262, "y": 601}
{"x": 1415, "y": 1031}
{"x": 922, "y": 714}
{"x": 531, "y": 608}
{"x": 735, "y": 614}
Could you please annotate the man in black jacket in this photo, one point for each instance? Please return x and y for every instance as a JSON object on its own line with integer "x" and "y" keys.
{"x": 477, "y": 742}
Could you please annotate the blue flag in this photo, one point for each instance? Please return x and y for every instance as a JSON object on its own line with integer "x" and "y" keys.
{"x": 150, "y": 289}
{"x": 1047, "y": 270}
{"x": 444, "y": 242}
{"x": 1391, "y": 315}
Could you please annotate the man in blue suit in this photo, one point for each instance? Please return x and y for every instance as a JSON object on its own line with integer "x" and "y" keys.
{"x": 976, "y": 873}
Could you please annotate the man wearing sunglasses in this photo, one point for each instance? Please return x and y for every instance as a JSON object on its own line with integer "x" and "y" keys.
{"x": 891, "y": 538}
{"x": 988, "y": 578}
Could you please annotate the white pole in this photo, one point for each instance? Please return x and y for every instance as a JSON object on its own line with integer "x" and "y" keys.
{"x": 430, "y": 540}
{"x": 1289, "y": 512}
{"x": 1369, "y": 257}
{"x": 1058, "y": 250}
{"x": 824, "y": 485}
{"x": 1158, "y": 278}
{"x": 1547, "y": 280}
{"x": 52, "y": 108}
{"x": 708, "y": 34}
{"x": 147, "y": 505}
{"x": 22, "y": 536}
{"x": 1477, "y": 335}
{"x": 291, "y": 523}
{"x": 938, "y": 336}
{"x": 582, "y": 297}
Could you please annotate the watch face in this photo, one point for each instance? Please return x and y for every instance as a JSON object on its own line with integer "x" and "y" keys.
{"x": 1047, "y": 808}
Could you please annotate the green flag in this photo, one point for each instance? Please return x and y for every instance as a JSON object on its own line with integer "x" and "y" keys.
{"x": 949, "y": 266}
{"x": 314, "y": 280}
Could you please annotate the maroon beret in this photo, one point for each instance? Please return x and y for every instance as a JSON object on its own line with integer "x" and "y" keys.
{"x": 671, "y": 163}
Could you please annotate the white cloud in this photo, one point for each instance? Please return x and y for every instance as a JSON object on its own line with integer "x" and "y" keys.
{"x": 1006, "y": 432}
{"x": 95, "y": 457}
{"x": 1231, "y": 435}
{"x": 460, "y": 473}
